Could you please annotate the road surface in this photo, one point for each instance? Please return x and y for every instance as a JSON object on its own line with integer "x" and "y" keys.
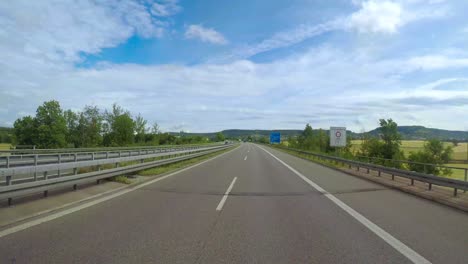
{"x": 251, "y": 205}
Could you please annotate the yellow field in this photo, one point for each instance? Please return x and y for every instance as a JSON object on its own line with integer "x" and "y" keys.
{"x": 4, "y": 146}
{"x": 459, "y": 152}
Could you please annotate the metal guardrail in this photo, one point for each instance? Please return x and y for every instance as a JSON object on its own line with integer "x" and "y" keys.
{"x": 36, "y": 185}
{"x": 407, "y": 162}
{"x": 61, "y": 157}
{"x": 72, "y": 150}
{"x": 422, "y": 177}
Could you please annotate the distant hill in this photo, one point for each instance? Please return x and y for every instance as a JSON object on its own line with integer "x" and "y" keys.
{"x": 407, "y": 132}
{"x": 421, "y": 133}
{"x": 243, "y": 133}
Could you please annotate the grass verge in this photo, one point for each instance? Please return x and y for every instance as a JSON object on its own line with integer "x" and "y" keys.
{"x": 179, "y": 165}
{"x": 121, "y": 179}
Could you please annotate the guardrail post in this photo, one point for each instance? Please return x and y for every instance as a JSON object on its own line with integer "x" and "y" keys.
{"x": 75, "y": 171}
{"x": 75, "y": 158}
{"x": 74, "y": 187}
{"x": 142, "y": 160}
{"x": 59, "y": 161}
{"x": 107, "y": 154}
{"x": 10, "y": 201}
{"x": 8, "y": 180}
{"x": 46, "y": 193}
{"x": 116, "y": 164}
{"x": 412, "y": 181}
{"x": 430, "y": 186}
{"x": 455, "y": 192}
{"x": 393, "y": 177}
{"x": 120, "y": 154}
{"x": 379, "y": 173}
{"x": 35, "y": 165}
{"x": 367, "y": 170}
{"x": 466, "y": 177}
{"x": 92, "y": 156}
{"x": 45, "y": 175}
{"x": 8, "y": 162}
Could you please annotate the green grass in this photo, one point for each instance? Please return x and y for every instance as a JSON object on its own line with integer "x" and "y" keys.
{"x": 178, "y": 165}
{"x": 121, "y": 179}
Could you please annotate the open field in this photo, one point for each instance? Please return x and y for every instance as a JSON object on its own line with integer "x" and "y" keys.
{"x": 4, "y": 146}
{"x": 458, "y": 174}
{"x": 459, "y": 152}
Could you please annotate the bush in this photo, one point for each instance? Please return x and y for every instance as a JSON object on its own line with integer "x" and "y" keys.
{"x": 435, "y": 153}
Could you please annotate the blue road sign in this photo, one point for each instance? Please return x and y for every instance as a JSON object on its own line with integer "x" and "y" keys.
{"x": 275, "y": 137}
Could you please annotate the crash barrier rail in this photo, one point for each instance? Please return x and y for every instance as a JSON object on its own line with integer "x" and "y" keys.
{"x": 93, "y": 149}
{"x": 34, "y": 185}
{"x": 62, "y": 157}
{"x": 394, "y": 172}
{"x": 399, "y": 163}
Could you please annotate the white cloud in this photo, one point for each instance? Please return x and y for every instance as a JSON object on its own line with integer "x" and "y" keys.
{"x": 323, "y": 86}
{"x": 61, "y": 30}
{"x": 205, "y": 34}
{"x": 435, "y": 62}
{"x": 164, "y": 8}
{"x": 372, "y": 17}
{"x": 39, "y": 45}
{"x": 377, "y": 16}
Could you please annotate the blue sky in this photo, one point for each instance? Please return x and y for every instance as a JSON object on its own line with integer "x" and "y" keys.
{"x": 213, "y": 65}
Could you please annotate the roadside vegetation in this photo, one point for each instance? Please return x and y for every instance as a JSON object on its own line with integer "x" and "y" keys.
{"x": 178, "y": 165}
{"x": 53, "y": 127}
{"x": 386, "y": 149}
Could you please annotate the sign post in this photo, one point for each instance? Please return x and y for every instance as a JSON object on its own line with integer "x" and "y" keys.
{"x": 275, "y": 138}
{"x": 338, "y": 137}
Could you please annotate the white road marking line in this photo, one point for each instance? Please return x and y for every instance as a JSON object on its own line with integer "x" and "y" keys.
{"x": 392, "y": 241}
{"x": 245, "y": 158}
{"x": 223, "y": 200}
{"x": 53, "y": 216}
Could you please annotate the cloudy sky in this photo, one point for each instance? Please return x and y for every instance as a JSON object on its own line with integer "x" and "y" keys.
{"x": 212, "y": 65}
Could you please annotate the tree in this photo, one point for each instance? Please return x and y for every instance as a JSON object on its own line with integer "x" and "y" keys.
{"x": 433, "y": 152}
{"x": 140, "y": 128}
{"x": 122, "y": 130}
{"x": 220, "y": 136}
{"x": 51, "y": 127}
{"x": 306, "y": 140}
{"x": 263, "y": 140}
{"x": 391, "y": 139}
{"x": 90, "y": 127}
{"x": 155, "y": 128}
{"x": 73, "y": 134}
{"x": 24, "y": 131}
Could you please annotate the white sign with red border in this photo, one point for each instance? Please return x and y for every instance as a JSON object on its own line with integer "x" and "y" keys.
{"x": 338, "y": 136}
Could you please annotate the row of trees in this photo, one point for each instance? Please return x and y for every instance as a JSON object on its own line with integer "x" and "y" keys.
{"x": 52, "y": 127}
{"x": 382, "y": 149}
{"x": 317, "y": 140}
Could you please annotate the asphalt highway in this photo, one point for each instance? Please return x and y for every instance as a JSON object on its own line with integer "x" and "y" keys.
{"x": 251, "y": 205}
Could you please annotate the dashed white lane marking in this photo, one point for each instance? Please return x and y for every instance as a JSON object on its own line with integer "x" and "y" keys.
{"x": 245, "y": 158}
{"x": 223, "y": 200}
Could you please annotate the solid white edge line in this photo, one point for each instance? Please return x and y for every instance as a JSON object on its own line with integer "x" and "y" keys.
{"x": 53, "y": 216}
{"x": 245, "y": 158}
{"x": 225, "y": 196}
{"x": 392, "y": 241}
